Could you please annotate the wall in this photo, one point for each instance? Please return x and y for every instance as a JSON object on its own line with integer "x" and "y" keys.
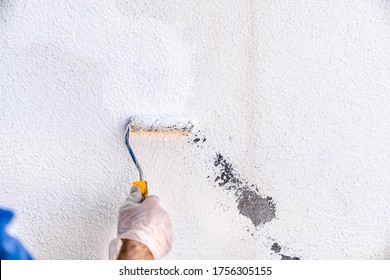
{"x": 291, "y": 154}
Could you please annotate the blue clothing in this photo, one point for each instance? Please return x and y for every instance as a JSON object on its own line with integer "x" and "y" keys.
{"x": 10, "y": 247}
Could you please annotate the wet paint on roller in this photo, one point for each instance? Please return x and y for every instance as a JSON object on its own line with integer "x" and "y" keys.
{"x": 158, "y": 123}
{"x": 250, "y": 203}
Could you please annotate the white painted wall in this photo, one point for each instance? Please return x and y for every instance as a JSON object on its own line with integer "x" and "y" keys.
{"x": 295, "y": 95}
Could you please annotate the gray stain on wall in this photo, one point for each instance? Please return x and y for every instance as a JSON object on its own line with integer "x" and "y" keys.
{"x": 198, "y": 140}
{"x": 284, "y": 257}
{"x": 258, "y": 209}
{"x": 277, "y": 248}
{"x": 250, "y": 203}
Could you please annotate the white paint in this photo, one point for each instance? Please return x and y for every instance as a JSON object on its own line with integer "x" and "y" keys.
{"x": 294, "y": 94}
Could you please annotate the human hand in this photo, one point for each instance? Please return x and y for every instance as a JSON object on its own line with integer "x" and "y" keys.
{"x": 145, "y": 222}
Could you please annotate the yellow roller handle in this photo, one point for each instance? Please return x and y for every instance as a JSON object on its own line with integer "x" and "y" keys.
{"x": 143, "y": 186}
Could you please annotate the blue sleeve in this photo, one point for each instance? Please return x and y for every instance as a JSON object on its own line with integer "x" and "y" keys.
{"x": 10, "y": 247}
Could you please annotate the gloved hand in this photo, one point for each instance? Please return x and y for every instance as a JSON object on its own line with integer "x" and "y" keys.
{"x": 146, "y": 222}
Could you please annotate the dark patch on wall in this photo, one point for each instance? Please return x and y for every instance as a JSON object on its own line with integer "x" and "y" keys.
{"x": 198, "y": 139}
{"x": 276, "y": 247}
{"x": 284, "y": 257}
{"x": 258, "y": 209}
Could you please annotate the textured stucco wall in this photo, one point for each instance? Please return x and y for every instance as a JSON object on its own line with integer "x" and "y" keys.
{"x": 291, "y": 154}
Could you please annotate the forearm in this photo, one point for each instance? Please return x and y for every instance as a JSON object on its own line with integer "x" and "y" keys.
{"x": 134, "y": 250}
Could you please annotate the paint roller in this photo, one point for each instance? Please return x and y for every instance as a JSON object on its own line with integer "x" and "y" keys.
{"x": 153, "y": 123}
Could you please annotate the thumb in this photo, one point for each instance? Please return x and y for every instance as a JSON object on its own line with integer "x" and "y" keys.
{"x": 135, "y": 196}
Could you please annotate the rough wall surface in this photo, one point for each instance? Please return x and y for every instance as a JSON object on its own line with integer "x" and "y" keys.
{"x": 291, "y": 154}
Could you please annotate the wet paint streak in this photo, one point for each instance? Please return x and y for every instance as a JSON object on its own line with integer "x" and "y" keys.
{"x": 258, "y": 209}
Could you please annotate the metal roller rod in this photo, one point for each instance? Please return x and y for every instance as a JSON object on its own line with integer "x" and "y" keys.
{"x": 141, "y": 173}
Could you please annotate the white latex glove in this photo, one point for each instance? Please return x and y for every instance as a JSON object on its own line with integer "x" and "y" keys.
{"x": 146, "y": 222}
